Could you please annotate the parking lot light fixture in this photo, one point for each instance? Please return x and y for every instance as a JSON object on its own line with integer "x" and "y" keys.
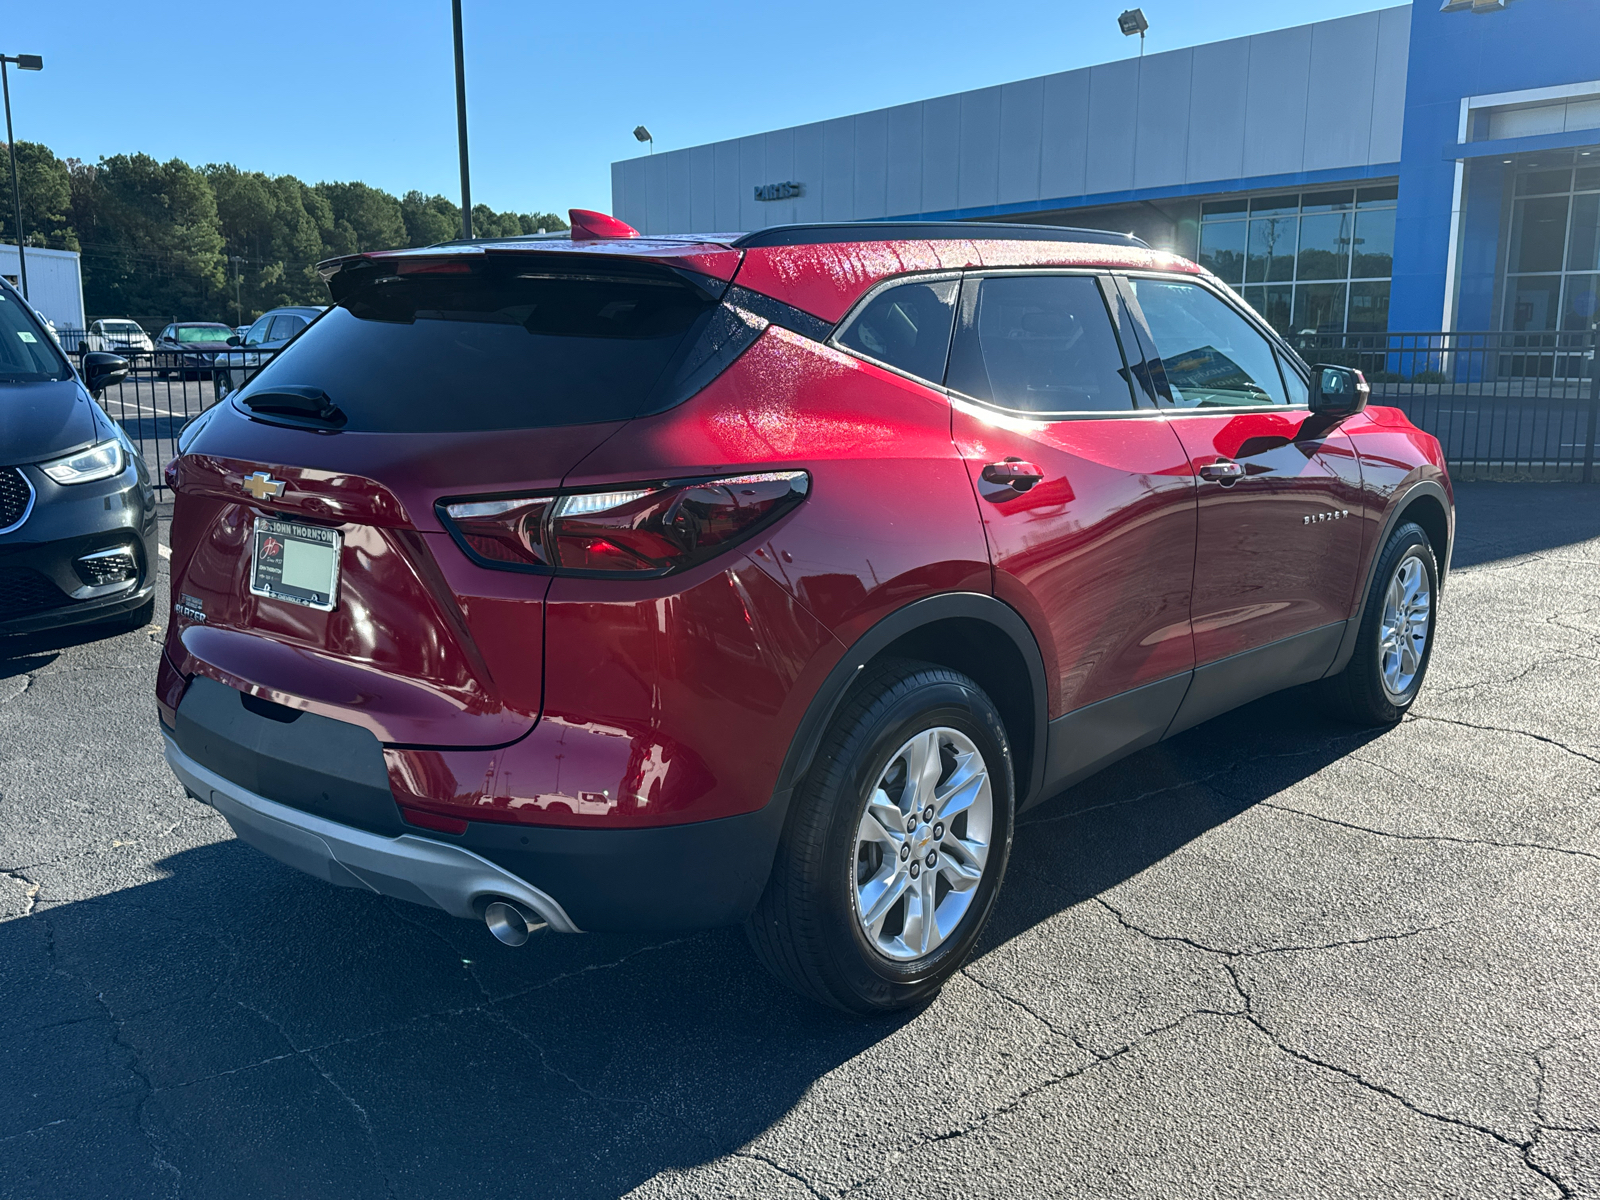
{"x": 641, "y": 134}
{"x": 1131, "y": 22}
{"x": 23, "y": 62}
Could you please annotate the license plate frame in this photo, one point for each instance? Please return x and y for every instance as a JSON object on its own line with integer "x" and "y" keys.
{"x": 304, "y": 552}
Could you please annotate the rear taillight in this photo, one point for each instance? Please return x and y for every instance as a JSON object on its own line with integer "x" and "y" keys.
{"x": 651, "y": 529}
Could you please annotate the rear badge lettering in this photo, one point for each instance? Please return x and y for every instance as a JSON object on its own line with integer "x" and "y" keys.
{"x": 1337, "y": 514}
{"x": 190, "y": 608}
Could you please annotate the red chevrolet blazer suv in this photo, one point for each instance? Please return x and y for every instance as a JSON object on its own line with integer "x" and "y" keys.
{"x": 638, "y": 583}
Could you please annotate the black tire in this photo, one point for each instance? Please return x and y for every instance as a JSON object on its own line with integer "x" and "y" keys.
{"x": 805, "y": 928}
{"x": 1359, "y": 693}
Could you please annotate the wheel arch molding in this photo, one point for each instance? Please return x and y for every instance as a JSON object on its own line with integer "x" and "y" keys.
{"x": 978, "y": 635}
{"x": 1427, "y": 504}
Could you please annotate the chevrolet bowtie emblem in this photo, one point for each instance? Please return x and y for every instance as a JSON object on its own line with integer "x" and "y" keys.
{"x": 263, "y": 486}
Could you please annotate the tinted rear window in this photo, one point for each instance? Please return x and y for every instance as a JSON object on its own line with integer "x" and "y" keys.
{"x": 505, "y": 346}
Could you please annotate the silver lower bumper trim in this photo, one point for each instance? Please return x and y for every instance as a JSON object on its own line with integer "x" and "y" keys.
{"x": 412, "y": 868}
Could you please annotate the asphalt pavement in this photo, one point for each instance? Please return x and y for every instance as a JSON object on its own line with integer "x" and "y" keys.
{"x": 1273, "y": 957}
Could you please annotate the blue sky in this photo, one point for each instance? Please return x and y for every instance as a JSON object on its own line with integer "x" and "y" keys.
{"x": 339, "y": 90}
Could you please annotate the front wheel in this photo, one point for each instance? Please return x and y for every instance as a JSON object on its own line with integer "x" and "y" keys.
{"x": 896, "y": 845}
{"x": 1395, "y": 641}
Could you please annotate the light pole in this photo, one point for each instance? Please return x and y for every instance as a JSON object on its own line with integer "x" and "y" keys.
{"x": 461, "y": 125}
{"x": 238, "y": 308}
{"x": 641, "y": 134}
{"x": 24, "y": 62}
{"x": 1131, "y": 22}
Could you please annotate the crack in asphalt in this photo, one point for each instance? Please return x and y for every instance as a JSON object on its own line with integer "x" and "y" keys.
{"x": 1524, "y": 1149}
{"x": 1430, "y": 837}
{"x": 779, "y": 1167}
{"x": 133, "y": 1066}
{"x": 1538, "y": 737}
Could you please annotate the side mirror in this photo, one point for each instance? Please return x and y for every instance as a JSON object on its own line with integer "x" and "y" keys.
{"x": 101, "y": 370}
{"x": 233, "y": 340}
{"x": 1338, "y": 391}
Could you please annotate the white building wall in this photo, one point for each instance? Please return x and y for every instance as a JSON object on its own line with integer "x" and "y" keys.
{"x": 55, "y": 283}
{"x": 1322, "y": 97}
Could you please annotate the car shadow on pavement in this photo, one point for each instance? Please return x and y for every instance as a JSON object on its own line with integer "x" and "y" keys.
{"x": 1504, "y": 520}
{"x": 253, "y": 1032}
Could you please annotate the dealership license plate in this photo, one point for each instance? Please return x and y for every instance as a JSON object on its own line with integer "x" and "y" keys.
{"x": 297, "y": 563}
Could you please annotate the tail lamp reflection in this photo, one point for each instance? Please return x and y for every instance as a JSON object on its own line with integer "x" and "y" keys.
{"x": 646, "y": 529}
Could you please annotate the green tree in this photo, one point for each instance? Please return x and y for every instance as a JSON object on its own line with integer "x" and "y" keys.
{"x": 429, "y": 219}
{"x": 46, "y": 186}
{"x": 151, "y": 239}
{"x": 364, "y": 218}
{"x": 265, "y": 223}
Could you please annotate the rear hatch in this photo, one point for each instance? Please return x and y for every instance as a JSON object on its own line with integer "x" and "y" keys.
{"x": 443, "y": 376}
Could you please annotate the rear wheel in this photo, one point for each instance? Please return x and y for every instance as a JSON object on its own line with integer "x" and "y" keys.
{"x": 896, "y": 843}
{"x": 1395, "y": 641}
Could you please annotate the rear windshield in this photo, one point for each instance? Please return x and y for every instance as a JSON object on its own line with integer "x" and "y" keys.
{"x": 27, "y": 353}
{"x": 499, "y": 346}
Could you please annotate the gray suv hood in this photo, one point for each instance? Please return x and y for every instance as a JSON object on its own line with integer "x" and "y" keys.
{"x": 40, "y": 421}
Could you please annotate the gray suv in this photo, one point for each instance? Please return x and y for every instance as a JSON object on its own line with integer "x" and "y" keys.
{"x": 270, "y": 333}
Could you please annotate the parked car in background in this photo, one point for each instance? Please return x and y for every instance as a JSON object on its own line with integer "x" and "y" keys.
{"x": 621, "y": 583}
{"x": 268, "y": 334}
{"x": 77, "y": 511}
{"x": 117, "y": 335}
{"x": 239, "y": 330}
{"x": 189, "y": 348}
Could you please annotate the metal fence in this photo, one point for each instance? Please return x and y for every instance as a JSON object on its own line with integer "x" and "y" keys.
{"x": 1503, "y": 405}
{"x": 162, "y": 394}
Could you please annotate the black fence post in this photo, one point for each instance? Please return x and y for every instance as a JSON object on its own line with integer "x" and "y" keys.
{"x": 1594, "y": 406}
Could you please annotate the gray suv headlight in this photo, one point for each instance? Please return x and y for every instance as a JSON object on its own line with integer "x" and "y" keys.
{"x": 86, "y": 466}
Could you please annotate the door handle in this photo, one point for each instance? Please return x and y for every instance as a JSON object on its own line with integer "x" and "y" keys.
{"x": 1225, "y": 472}
{"x": 1013, "y": 473}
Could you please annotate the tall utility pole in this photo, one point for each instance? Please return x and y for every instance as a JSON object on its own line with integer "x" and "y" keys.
{"x": 238, "y": 308}
{"x": 24, "y": 62}
{"x": 461, "y": 125}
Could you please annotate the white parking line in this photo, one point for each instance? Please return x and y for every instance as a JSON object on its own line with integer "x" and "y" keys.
{"x": 165, "y": 551}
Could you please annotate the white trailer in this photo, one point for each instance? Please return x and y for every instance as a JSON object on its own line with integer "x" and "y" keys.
{"x": 55, "y": 283}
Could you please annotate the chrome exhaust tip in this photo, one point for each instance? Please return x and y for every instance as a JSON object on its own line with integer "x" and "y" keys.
{"x": 510, "y": 924}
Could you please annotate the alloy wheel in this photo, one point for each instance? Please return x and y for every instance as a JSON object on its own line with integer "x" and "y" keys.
{"x": 1407, "y": 621}
{"x": 922, "y": 843}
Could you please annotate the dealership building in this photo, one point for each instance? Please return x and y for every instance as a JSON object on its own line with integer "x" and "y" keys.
{"x": 1420, "y": 168}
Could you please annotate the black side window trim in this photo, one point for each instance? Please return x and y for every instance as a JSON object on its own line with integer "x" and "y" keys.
{"x": 1108, "y": 297}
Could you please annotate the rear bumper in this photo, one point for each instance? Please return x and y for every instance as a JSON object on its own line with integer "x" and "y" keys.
{"x": 313, "y": 793}
{"x": 408, "y": 867}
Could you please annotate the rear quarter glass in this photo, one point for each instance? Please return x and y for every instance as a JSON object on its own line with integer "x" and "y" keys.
{"x": 495, "y": 346}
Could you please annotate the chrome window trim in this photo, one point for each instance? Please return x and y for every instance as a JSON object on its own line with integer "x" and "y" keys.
{"x": 27, "y": 509}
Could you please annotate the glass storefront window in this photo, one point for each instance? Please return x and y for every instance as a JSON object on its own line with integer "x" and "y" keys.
{"x": 1275, "y": 304}
{"x": 1222, "y": 250}
{"x": 1272, "y": 249}
{"x": 1319, "y": 308}
{"x": 1583, "y": 302}
{"x": 1369, "y": 307}
{"x": 1374, "y": 249}
{"x": 1325, "y": 246}
{"x": 1553, "y": 265}
{"x": 1538, "y": 234}
{"x": 1318, "y": 261}
{"x": 1533, "y": 303}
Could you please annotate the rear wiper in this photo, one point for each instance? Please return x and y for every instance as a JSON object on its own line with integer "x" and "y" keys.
{"x": 304, "y": 407}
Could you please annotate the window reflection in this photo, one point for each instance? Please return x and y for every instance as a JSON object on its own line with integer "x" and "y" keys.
{"x": 1317, "y": 261}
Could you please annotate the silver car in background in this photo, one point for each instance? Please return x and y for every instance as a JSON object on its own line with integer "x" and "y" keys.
{"x": 117, "y": 335}
{"x": 269, "y": 334}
